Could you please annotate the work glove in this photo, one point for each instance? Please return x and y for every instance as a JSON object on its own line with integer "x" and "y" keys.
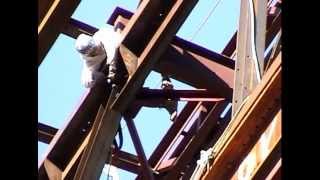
{"x": 90, "y": 78}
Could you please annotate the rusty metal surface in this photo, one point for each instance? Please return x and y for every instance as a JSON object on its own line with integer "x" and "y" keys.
{"x": 43, "y": 7}
{"x": 264, "y": 155}
{"x": 178, "y": 63}
{"x": 50, "y": 26}
{"x": 103, "y": 133}
{"x": 160, "y": 40}
{"x": 75, "y": 126}
{"x": 268, "y": 163}
{"x": 197, "y": 140}
{"x": 121, "y": 159}
{"x": 46, "y": 133}
{"x": 247, "y": 73}
{"x": 256, "y": 115}
{"x": 275, "y": 174}
{"x": 145, "y": 167}
{"x": 74, "y": 28}
{"x": 215, "y": 71}
{"x": 171, "y": 133}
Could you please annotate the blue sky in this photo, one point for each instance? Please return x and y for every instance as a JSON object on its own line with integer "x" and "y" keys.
{"x": 59, "y": 88}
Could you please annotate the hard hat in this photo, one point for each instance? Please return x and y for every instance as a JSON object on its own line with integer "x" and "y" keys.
{"x": 85, "y": 44}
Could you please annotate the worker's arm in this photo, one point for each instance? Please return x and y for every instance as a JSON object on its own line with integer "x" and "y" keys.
{"x": 89, "y": 76}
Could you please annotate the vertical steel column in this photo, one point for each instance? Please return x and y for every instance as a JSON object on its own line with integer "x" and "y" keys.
{"x": 245, "y": 72}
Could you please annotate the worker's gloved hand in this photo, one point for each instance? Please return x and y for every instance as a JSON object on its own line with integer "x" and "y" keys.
{"x": 87, "y": 79}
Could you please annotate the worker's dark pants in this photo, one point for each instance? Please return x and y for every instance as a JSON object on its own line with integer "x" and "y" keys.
{"x": 123, "y": 65}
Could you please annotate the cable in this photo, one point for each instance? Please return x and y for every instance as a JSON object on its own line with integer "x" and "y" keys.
{"x": 253, "y": 44}
{"x": 205, "y": 21}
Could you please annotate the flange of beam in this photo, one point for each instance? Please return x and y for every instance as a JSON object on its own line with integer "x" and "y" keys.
{"x": 50, "y": 26}
{"x": 77, "y": 125}
{"x": 46, "y": 133}
{"x": 264, "y": 155}
{"x": 247, "y": 126}
{"x": 98, "y": 148}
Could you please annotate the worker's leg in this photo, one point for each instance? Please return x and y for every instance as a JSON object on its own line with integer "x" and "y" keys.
{"x": 118, "y": 73}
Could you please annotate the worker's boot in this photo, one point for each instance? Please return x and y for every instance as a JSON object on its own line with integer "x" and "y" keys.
{"x": 169, "y": 104}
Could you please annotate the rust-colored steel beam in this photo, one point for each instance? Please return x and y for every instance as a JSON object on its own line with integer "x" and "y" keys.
{"x": 247, "y": 125}
{"x": 211, "y": 75}
{"x": 99, "y": 144}
{"x": 46, "y": 133}
{"x": 183, "y": 56}
{"x": 231, "y": 46}
{"x": 275, "y": 174}
{"x": 74, "y": 28}
{"x": 193, "y": 146}
{"x": 248, "y": 73}
{"x": 266, "y": 167}
{"x": 126, "y": 161}
{"x": 271, "y": 24}
{"x": 159, "y": 41}
{"x": 43, "y": 8}
{"x": 186, "y": 45}
{"x": 121, "y": 159}
{"x": 183, "y": 136}
{"x": 146, "y": 93}
{"x": 153, "y": 51}
{"x": 75, "y": 130}
{"x": 171, "y": 133}
{"x": 264, "y": 155}
{"x": 145, "y": 167}
{"x": 52, "y": 23}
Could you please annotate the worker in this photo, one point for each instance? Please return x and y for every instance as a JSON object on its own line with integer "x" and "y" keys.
{"x": 98, "y": 52}
{"x": 101, "y": 63}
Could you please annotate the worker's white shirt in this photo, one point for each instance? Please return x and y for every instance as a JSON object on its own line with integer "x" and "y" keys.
{"x": 110, "y": 41}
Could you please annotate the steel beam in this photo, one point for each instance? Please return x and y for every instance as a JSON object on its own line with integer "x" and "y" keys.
{"x": 255, "y": 115}
{"x": 98, "y": 149}
{"x": 266, "y": 166}
{"x": 74, "y": 28}
{"x": 245, "y": 72}
{"x": 231, "y": 45}
{"x": 183, "y": 56}
{"x": 153, "y": 51}
{"x": 260, "y": 7}
{"x": 75, "y": 130}
{"x": 43, "y": 8}
{"x": 211, "y": 75}
{"x": 46, "y": 133}
{"x": 193, "y": 146}
{"x": 52, "y": 23}
{"x": 145, "y": 167}
{"x": 171, "y": 133}
{"x": 126, "y": 161}
{"x": 275, "y": 174}
{"x": 121, "y": 159}
{"x": 146, "y": 93}
{"x": 264, "y": 155}
{"x": 183, "y": 135}
{"x": 215, "y": 71}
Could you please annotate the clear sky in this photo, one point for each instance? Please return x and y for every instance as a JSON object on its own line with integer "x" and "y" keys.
{"x": 59, "y": 88}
